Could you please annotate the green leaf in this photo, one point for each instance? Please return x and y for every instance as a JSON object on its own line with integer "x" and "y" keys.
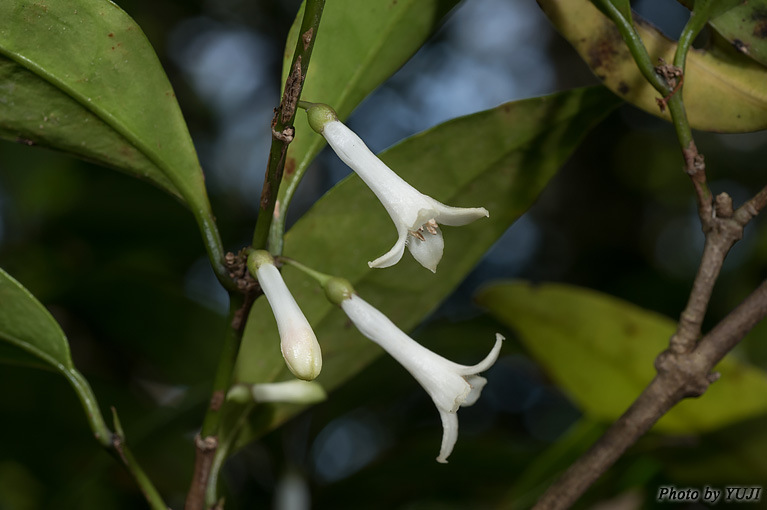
{"x": 34, "y": 112}
{"x": 723, "y": 92}
{"x": 745, "y": 27}
{"x": 601, "y": 350}
{"x": 500, "y": 159}
{"x": 359, "y": 45}
{"x": 27, "y": 325}
{"x": 82, "y": 77}
{"x": 12, "y": 355}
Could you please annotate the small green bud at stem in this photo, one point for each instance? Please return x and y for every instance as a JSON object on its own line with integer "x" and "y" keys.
{"x": 257, "y": 258}
{"x": 337, "y": 290}
{"x": 318, "y": 115}
{"x": 239, "y": 393}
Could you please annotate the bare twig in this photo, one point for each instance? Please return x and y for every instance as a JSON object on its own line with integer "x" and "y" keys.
{"x": 680, "y": 375}
{"x": 684, "y": 369}
{"x": 751, "y": 208}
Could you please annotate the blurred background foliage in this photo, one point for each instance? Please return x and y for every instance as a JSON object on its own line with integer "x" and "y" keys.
{"x": 121, "y": 267}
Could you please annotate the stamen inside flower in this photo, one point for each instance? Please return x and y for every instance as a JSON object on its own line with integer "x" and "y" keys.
{"x": 417, "y": 234}
{"x": 431, "y": 227}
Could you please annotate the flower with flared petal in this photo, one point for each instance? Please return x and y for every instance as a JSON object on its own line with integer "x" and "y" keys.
{"x": 449, "y": 384}
{"x": 298, "y": 344}
{"x": 416, "y": 216}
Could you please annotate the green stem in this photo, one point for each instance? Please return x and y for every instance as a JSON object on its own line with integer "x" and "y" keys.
{"x": 698, "y": 18}
{"x": 145, "y": 484}
{"x": 305, "y": 105}
{"x": 321, "y": 278}
{"x": 635, "y": 45}
{"x": 282, "y": 125}
{"x": 214, "y": 247}
{"x": 222, "y": 453}
{"x": 235, "y": 326}
{"x": 672, "y": 97}
{"x": 92, "y": 412}
{"x": 113, "y": 443}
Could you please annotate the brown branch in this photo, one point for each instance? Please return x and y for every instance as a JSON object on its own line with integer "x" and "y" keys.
{"x": 284, "y": 115}
{"x": 751, "y": 208}
{"x": 723, "y": 228}
{"x": 695, "y": 167}
{"x": 684, "y": 369}
{"x": 680, "y": 376}
{"x": 723, "y": 234}
{"x": 205, "y": 451}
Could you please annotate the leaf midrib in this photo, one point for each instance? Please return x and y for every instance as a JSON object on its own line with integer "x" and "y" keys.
{"x": 108, "y": 118}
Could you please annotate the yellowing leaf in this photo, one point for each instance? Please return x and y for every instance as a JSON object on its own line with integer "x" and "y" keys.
{"x": 602, "y": 350}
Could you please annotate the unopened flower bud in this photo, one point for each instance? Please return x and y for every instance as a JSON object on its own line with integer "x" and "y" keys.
{"x": 298, "y": 344}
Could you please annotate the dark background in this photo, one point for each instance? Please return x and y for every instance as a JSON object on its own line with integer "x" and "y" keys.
{"x": 121, "y": 267}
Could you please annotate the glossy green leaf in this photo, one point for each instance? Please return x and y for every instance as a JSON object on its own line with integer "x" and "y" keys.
{"x": 500, "y": 159}
{"x": 601, "y": 350}
{"x": 359, "y": 45}
{"x": 82, "y": 77}
{"x": 26, "y": 325}
{"x": 34, "y": 112}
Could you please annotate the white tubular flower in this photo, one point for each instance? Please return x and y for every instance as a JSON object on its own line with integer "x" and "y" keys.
{"x": 449, "y": 384}
{"x": 416, "y": 216}
{"x": 297, "y": 341}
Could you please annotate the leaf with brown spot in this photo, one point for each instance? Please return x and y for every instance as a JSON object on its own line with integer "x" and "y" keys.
{"x": 723, "y": 91}
{"x": 745, "y": 26}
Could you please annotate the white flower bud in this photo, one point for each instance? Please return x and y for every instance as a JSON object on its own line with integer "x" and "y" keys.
{"x": 297, "y": 341}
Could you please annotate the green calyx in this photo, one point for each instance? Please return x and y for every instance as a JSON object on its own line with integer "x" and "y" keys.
{"x": 239, "y": 393}
{"x": 318, "y": 115}
{"x": 337, "y": 289}
{"x": 257, "y": 258}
